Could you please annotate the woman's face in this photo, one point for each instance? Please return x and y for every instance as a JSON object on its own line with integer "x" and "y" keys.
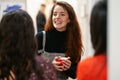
{"x": 60, "y": 18}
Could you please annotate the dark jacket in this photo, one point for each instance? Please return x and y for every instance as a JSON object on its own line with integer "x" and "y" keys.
{"x": 40, "y": 21}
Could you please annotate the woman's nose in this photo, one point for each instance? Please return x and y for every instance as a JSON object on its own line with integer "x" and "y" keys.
{"x": 58, "y": 16}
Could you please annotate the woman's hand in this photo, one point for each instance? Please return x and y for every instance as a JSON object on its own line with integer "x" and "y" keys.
{"x": 61, "y": 63}
{"x": 66, "y": 63}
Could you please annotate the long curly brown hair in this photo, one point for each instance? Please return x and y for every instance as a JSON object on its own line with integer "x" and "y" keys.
{"x": 74, "y": 43}
{"x": 17, "y": 46}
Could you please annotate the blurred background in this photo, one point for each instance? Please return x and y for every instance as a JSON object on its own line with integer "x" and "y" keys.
{"x": 83, "y": 10}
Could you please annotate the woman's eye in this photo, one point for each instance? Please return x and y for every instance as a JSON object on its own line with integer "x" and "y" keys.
{"x": 62, "y": 14}
{"x": 54, "y": 14}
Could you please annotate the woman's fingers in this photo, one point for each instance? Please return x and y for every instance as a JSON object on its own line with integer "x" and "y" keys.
{"x": 66, "y": 64}
{"x": 61, "y": 63}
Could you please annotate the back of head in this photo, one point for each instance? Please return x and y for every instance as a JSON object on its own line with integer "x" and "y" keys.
{"x": 17, "y": 31}
{"x": 17, "y": 43}
{"x": 98, "y": 27}
{"x": 42, "y": 8}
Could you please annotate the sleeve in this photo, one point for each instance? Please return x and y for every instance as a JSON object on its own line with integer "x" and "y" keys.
{"x": 39, "y": 37}
{"x": 72, "y": 71}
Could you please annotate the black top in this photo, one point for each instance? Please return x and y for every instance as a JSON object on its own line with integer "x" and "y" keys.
{"x": 55, "y": 42}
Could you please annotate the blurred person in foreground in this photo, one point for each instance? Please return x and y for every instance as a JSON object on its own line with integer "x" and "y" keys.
{"x": 18, "y": 49}
{"x": 95, "y": 68}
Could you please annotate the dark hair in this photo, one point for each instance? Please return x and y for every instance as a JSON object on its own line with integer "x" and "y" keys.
{"x": 74, "y": 42}
{"x": 98, "y": 27}
{"x": 43, "y": 5}
{"x": 17, "y": 46}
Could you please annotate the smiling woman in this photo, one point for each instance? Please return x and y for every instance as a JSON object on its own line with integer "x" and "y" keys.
{"x": 60, "y": 18}
{"x": 62, "y": 39}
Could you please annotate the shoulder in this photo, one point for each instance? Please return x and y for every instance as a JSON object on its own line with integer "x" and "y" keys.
{"x": 49, "y": 71}
{"x": 40, "y": 60}
{"x": 90, "y": 64}
{"x": 39, "y": 34}
{"x": 84, "y": 66}
{"x": 44, "y": 63}
{"x": 92, "y": 60}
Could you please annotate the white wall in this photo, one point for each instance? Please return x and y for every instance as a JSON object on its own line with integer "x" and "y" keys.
{"x": 113, "y": 40}
{"x": 6, "y": 3}
{"x": 32, "y": 8}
